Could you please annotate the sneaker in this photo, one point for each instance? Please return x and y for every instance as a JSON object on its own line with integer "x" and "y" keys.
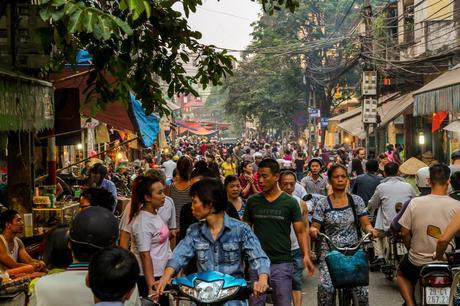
{"x": 376, "y": 264}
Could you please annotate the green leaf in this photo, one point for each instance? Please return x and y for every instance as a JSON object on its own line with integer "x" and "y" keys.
{"x": 123, "y": 5}
{"x": 97, "y": 31}
{"x": 136, "y": 7}
{"x": 57, "y": 14}
{"x": 148, "y": 9}
{"x": 45, "y": 13}
{"x": 58, "y": 3}
{"x": 74, "y": 22}
{"x": 123, "y": 25}
{"x": 70, "y": 8}
{"x": 106, "y": 29}
{"x": 88, "y": 21}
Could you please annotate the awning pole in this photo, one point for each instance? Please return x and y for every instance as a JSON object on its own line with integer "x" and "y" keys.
{"x": 86, "y": 159}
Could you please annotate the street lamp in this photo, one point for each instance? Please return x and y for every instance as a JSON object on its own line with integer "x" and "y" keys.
{"x": 421, "y": 138}
{"x": 79, "y": 146}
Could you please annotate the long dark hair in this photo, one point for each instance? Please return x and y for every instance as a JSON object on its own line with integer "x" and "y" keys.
{"x": 184, "y": 167}
{"x": 141, "y": 188}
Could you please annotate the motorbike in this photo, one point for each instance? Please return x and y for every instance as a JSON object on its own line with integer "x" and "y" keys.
{"x": 122, "y": 183}
{"x": 210, "y": 288}
{"x": 436, "y": 278}
{"x": 395, "y": 251}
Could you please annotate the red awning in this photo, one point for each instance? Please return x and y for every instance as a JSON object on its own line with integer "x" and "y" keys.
{"x": 114, "y": 114}
{"x": 199, "y": 131}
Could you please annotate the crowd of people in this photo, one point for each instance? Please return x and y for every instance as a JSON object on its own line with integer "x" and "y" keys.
{"x": 247, "y": 210}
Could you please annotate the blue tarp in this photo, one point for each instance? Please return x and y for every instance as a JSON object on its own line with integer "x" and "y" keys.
{"x": 83, "y": 57}
{"x": 149, "y": 126}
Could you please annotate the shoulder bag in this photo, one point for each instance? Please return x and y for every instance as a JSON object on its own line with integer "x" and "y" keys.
{"x": 349, "y": 269}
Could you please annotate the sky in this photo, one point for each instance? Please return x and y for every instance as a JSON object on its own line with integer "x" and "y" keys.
{"x": 225, "y": 23}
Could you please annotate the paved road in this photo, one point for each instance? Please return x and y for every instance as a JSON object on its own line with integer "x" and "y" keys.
{"x": 381, "y": 291}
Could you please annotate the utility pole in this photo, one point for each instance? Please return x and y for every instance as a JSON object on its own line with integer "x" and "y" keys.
{"x": 369, "y": 76}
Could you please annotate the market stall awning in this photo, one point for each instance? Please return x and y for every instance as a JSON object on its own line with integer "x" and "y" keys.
{"x": 115, "y": 114}
{"x": 335, "y": 122}
{"x": 199, "y": 132}
{"x": 185, "y": 124}
{"x": 131, "y": 118}
{"x": 441, "y": 94}
{"x": 354, "y": 126}
{"x": 394, "y": 108}
{"x": 26, "y": 103}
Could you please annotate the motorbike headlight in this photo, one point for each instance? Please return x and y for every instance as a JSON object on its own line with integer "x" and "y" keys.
{"x": 208, "y": 292}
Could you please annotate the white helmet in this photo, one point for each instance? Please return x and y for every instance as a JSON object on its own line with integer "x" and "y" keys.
{"x": 422, "y": 177}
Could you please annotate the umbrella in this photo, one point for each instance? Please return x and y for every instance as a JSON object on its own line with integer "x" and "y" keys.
{"x": 410, "y": 166}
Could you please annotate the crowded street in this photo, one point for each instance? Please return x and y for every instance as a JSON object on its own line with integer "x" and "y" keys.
{"x": 229, "y": 153}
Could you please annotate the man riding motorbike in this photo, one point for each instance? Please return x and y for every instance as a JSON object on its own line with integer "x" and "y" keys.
{"x": 436, "y": 209}
{"x": 219, "y": 242}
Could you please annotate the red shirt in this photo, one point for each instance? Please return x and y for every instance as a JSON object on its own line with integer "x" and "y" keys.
{"x": 244, "y": 183}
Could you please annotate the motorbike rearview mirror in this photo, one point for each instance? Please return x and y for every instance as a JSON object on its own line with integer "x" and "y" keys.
{"x": 433, "y": 231}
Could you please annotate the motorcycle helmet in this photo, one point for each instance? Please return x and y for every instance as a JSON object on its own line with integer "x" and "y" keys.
{"x": 422, "y": 177}
{"x": 318, "y": 160}
{"x": 96, "y": 227}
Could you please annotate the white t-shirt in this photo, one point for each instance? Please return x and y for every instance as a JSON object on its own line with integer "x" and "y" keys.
{"x": 292, "y": 235}
{"x": 68, "y": 288}
{"x": 167, "y": 212}
{"x": 169, "y": 167}
{"x": 423, "y": 211}
{"x": 151, "y": 234}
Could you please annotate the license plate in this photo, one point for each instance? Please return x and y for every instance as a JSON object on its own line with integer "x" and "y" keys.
{"x": 437, "y": 296}
{"x": 401, "y": 248}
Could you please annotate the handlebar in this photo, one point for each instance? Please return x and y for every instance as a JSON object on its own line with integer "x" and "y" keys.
{"x": 344, "y": 249}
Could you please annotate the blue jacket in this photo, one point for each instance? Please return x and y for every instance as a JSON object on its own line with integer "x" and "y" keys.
{"x": 226, "y": 254}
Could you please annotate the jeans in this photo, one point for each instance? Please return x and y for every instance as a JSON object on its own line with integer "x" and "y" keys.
{"x": 280, "y": 281}
{"x": 297, "y": 256}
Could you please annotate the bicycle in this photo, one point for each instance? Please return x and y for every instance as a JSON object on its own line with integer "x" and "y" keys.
{"x": 345, "y": 296}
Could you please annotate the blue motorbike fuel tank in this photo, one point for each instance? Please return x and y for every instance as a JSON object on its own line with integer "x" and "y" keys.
{"x": 209, "y": 276}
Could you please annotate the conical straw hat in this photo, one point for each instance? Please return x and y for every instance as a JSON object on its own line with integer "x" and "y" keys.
{"x": 410, "y": 166}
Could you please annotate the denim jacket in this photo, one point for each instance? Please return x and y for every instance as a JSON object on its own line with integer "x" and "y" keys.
{"x": 226, "y": 254}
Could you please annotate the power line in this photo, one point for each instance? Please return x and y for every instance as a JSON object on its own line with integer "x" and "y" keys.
{"x": 224, "y": 13}
{"x": 344, "y": 17}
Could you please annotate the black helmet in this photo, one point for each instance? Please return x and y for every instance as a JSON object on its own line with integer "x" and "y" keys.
{"x": 318, "y": 160}
{"x": 96, "y": 227}
{"x": 455, "y": 155}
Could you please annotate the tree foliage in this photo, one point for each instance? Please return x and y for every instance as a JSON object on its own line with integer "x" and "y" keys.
{"x": 294, "y": 57}
{"x": 142, "y": 44}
